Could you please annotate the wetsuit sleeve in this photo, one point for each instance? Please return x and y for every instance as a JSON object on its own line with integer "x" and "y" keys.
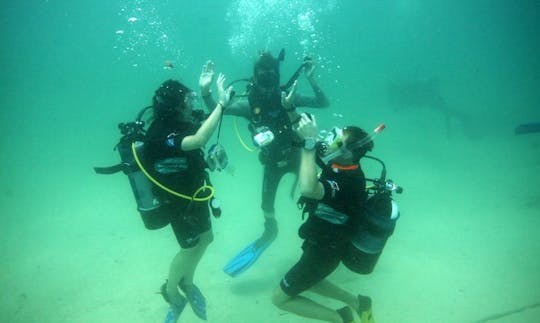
{"x": 331, "y": 189}
{"x": 318, "y": 101}
{"x": 239, "y": 108}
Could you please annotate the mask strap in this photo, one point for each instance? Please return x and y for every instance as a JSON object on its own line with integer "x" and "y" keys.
{"x": 368, "y": 138}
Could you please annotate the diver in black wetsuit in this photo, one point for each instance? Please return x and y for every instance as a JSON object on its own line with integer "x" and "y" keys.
{"x": 175, "y": 159}
{"x": 271, "y": 112}
{"x": 336, "y": 203}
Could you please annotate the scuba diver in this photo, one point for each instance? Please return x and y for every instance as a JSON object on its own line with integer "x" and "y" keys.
{"x": 271, "y": 112}
{"x": 339, "y": 220}
{"x": 174, "y": 159}
{"x": 167, "y": 171}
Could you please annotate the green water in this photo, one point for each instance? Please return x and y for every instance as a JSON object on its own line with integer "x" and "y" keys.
{"x": 450, "y": 79}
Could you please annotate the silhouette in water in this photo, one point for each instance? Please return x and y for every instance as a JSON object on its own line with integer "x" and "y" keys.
{"x": 426, "y": 94}
{"x": 526, "y": 128}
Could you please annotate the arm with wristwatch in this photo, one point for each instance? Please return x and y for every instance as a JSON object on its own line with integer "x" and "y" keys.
{"x": 309, "y": 184}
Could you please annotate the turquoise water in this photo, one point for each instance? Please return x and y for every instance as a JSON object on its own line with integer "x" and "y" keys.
{"x": 451, "y": 80}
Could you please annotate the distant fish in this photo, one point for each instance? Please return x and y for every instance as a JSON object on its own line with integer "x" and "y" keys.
{"x": 168, "y": 65}
{"x": 132, "y": 19}
{"x": 417, "y": 93}
{"x": 425, "y": 94}
{"x": 527, "y": 128}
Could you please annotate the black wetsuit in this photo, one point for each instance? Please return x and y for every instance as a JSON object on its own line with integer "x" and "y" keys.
{"x": 282, "y": 156}
{"x": 182, "y": 171}
{"x": 327, "y": 232}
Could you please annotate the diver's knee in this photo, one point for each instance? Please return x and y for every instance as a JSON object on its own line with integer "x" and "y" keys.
{"x": 269, "y": 214}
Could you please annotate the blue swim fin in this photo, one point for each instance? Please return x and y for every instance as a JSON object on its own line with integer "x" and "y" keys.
{"x": 175, "y": 309}
{"x": 245, "y": 258}
{"x": 174, "y": 313}
{"x": 195, "y": 298}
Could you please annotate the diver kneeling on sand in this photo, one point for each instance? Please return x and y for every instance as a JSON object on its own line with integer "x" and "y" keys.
{"x": 347, "y": 222}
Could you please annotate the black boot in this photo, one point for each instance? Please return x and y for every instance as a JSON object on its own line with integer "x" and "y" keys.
{"x": 346, "y": 314}
{"x": 270, "y": 232}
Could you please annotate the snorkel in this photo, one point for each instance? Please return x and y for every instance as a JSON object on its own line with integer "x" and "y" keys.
{"x": 369, "y": 137}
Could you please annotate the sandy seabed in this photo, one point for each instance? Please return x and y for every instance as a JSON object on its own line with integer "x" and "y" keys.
{"x": 466, "y": 248}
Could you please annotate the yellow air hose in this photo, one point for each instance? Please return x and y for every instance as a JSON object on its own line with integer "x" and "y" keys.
{"x": 240, "y": 137}
{"x": 166, "y": 189}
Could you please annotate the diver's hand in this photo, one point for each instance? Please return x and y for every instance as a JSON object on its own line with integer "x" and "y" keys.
{"x": 307, "y": 126}
{"x": 206, "y": 78}
{"x": 224, "y": 95}
{"x": 287, "y": 100}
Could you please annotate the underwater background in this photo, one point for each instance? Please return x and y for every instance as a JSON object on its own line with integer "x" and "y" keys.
{"x": 450, "y": 79}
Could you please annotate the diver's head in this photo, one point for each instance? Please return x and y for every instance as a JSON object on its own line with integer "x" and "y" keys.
{"x": 173, "y": 100}
{"x": 266, "y": 72}
{"x": 344, "y": 146}
{"x": 358, "y": 141}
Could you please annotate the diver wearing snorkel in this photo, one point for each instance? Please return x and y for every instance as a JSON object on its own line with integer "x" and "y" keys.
{"x": 346, "y": 222}
{"x": 271, "y": 112}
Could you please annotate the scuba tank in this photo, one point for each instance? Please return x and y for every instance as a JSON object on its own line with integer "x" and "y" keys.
{"x": 131, "y": 141}
{"x": 382, "y": 214}
{"x": 148, "y": 204}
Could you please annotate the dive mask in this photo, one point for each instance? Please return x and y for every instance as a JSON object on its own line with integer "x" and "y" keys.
{"x": 217, "y": 158}
{"x": 332, "y": 145}
{"x": 267, "y": 78}
{"x": 330, "y": 141}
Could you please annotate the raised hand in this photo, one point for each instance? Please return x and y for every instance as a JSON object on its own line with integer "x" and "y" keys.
{"x": 206, "y": 78}
{"x": 287, "y": 100}
{"x": 307, "y": 126}
{"x": 224, "y": 95}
